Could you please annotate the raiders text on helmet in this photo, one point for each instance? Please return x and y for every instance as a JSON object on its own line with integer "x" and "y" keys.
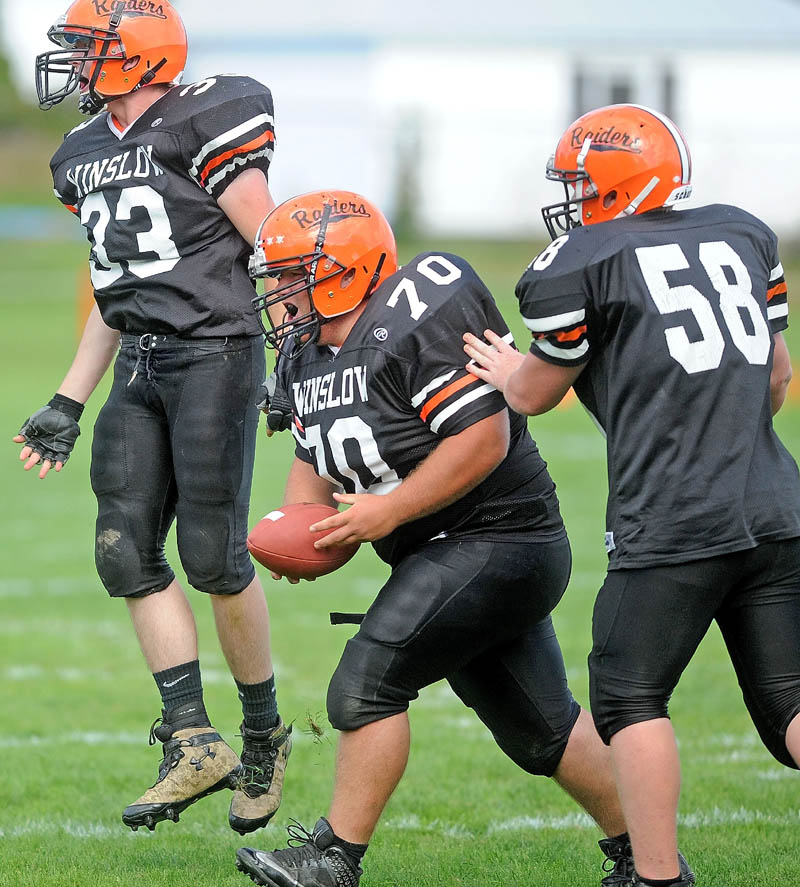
{"x": 344, "y": 248}
{"x": 617, "y": 161}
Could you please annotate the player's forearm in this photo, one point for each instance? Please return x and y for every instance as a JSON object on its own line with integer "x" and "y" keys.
{"x": 96, "y": 350}
{"x": 454, "y": 468}
{"x": 781, "y": 374}
{"x": 303, "y": 484}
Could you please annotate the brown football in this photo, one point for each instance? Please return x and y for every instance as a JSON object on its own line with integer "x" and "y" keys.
{"x": 281, "y": 542}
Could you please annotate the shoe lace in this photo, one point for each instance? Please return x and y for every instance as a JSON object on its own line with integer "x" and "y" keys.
{"x": 258, "y": 768}
{"x": 172, "y": 748}
{"x": 302, "y": 848}
{"x": 619, "y": 865}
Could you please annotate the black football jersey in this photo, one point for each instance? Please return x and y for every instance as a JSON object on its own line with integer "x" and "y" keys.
{"x": 673, "y": 314}
{"x": 367, "y": 415}
{"x": 164, "y": 257}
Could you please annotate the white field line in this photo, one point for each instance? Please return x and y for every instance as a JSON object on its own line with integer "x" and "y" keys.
{"x": 54, "y": 587}
{"x": 126, "y": 737}
{"x": 715, "y": 817}
{"x": 63, "y": 674}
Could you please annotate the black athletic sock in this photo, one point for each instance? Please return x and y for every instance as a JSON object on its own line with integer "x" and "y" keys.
{"x": 624, "y": 838}
{"x": 655, "y": 882}
{"x": 179, "y": 684}
{"x": 259, "y": 705}
{"x": 355, "y": 852}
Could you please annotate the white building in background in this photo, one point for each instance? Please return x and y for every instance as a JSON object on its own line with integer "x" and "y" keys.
{"x": 453, "y": 106}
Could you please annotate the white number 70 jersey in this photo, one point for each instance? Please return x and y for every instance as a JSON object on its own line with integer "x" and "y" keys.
{"x": 366, "y": 416}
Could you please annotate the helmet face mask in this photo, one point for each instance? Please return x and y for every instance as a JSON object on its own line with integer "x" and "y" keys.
{"x": 81, "y": 47}
{"x": 109, "y": 55}
{"x": 330, "y": 251}
{"x": 617, "y": 161}
{"x": 294, "y": 331}
{"x": 562, "y": 217}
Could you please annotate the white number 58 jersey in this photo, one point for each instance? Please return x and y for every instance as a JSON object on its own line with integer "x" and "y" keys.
{"x": 673, "y": 315}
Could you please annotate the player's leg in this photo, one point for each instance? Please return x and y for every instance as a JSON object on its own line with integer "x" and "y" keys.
{"x": 519, "y": 690}
{"x": 213, "y": 423}
{"x": 432, "y": 616}
{"x": 132, "y": 479}
{"x": 634, "y": 666}
{"x": 760, "y": 622}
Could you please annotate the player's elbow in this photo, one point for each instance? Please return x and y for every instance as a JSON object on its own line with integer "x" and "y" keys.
{"x": 778, "y": 386}
{"x": 528, "y": 400}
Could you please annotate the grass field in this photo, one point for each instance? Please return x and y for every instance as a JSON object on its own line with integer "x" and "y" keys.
{"x": 76, "y": 699}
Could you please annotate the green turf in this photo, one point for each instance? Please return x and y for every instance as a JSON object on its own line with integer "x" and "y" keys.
{"x": 76, "y": 699}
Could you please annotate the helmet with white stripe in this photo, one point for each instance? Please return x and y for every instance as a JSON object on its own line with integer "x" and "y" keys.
{"x": 614, "y": 162}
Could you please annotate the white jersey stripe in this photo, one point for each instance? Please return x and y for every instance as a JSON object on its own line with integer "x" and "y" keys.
{"x": 237, "y": 161}
{"x": 226, "y": 137}
{"x": 419, "y": 398}
{"x": 460, "y": 403}
{"x": 563, "y": 353}
{"x": 686, "y": 165}
{"x": 776, "y": 272}
{"x": 554, "y": 322}
{"x": 774, "y": 311}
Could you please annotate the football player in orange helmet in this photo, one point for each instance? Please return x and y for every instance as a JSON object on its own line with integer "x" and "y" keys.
{"x": 669, "y": 327}
{"x": 617, "y": 161}
{"x": 170, "y": 183}
{"x": 109, "y": 52}
{"x": 326, "y": 268}
{"x": 449, "y": 488}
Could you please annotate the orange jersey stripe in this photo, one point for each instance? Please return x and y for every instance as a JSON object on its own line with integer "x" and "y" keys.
{"x": 572, "y": 334}
{"x": 444, "y": 394}
{"x": 776, "y": 290}
{"x": 242, "y": 149}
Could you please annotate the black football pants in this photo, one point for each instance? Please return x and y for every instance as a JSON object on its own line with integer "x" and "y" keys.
{"x": 176, "y": 439}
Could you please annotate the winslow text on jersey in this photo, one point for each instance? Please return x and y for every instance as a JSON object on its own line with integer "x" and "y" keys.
{"x": 88, "y": 177}
{"x": 330, "y": 391}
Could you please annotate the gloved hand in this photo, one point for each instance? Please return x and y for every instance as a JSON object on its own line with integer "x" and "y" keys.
{"x": 274, "y": 401}
{"x": 50, "y": 433}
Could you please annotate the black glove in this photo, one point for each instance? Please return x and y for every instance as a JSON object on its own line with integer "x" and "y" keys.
{"x": 274, "y": 401}
{"x": 52, "y": 431}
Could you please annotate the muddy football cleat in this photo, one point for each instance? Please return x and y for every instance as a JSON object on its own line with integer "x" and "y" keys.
{"x": 258, "y": 792}
{"x": 196, "y": 763}
{"x": 314, "y": 860}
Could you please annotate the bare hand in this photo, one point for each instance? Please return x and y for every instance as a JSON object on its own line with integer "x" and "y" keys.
{"x": 369, "y": 517}
{"x": 30, "y": 458}
{"x": 493, "y": 362}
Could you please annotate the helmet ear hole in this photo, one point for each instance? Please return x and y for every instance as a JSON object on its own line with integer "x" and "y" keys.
{"x": 609, "y": 200}
{"x": 347, "y": 278}
{"x": 130, "y": 63}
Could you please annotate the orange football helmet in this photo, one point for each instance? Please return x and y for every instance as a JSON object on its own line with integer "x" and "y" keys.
{"x": 617, "y": 161}
{"x": 110, "y": 48}
{"x": 345, "y": 249}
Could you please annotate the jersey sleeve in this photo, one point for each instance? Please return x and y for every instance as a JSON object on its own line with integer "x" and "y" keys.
{"x": 445, "y": 395}
{"x": 234, "y": 134}
{"x": 777, "y": 301}
{"x": 555, "y": 305}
